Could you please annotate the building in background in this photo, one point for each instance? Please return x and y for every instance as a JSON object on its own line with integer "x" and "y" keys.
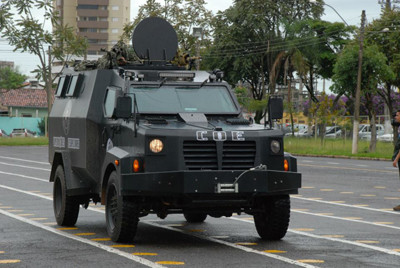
{"x": 4, "y": 64}
{"x": 99, "y": 21}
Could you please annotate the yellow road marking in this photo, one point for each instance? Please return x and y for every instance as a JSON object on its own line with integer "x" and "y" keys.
{"x": 396, "y": 249}
{"x": 123, "y": 246}
{"x": 9, "y": 261}
{"x": 5, "y": 207}
{"x": 304, "y": 229}
{"x": 248, "y": 219}
{"x": 352, "y": 218}
{"x": 196, "y": 230}
{"x": 347, "y": 192}
{"x": 67, "y": 228}
{"x": 368, "y": 195}
{"x": 361, "y": 205}
{"x": 325, "y": 214}
{"x": 300, "y": 209}
{"x": 382, "y": 222}
{"x": 327, "y": 190}
{"x": 387, "y": 209}
{"x": 246, "y": 244}
{"x": 392, "y": 198}
{"x": 2, "y": 252}
{"x": 39, "y": 219}
{"x": 24, "y": 215}
{"x": 334, "y": 236}
{"x": 308, "y": 187}
{"x": 15, "y": 210}
{"x": 338, "y": 202}
{"x": 274, "y": 251}
{"x": 380, "y": 187}
{"x": 176, "y": 225}
{"x": 367, "y": 241}
{"x": 50, "y": 223}
{"x": 311, "y": 261}
{"x": 171, "y": 262}
{"x": 101, "y": 239}
{"x": 83, "y": 234}
{"x": 144, "y": 254}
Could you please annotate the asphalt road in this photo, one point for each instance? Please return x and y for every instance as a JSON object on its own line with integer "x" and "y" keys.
{"x": 343, "y": 217}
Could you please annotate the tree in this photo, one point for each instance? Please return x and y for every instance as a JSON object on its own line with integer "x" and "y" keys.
{"x": 385, "y": 34}
{"x": 11, "y": 78}
{"x": 374, "y": 71}
{"x": 183, "y": 16}
{"x": 28, "y": 34}
{"x": 250, "y": 46}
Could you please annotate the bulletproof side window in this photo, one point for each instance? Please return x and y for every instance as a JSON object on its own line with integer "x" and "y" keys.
{"x": 62, "y": 86}
{"x": 109, "y": 101}
{"x": 75, "y": 84}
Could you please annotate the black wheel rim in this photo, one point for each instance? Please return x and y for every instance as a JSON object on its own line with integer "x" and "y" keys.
{"x": 57, "y": 196}
{"x": 112, "y": 205}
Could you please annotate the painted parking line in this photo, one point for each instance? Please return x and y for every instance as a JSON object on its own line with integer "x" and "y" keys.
{"x": 30, "y": 167}
{"x": 25, "y": 160}
{"x": 354, "y": 243}
{"x": 83, "y": 240}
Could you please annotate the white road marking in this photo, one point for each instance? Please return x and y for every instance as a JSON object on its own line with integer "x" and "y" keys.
{"x": 332, "y": 163}
{"x": 24, "y": 176}
{"x": 83, "y": 240}
{"x": 344, "y": 205}
{"x": 24, "y": 160}
{"x": 14, "y": 165}
{"x": 384, "y": 250}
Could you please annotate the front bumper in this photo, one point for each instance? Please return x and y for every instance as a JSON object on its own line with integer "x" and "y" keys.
{"x": 216, "y": 182}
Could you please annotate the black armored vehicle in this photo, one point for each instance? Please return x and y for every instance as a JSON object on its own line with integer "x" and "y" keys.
{"x": 151, "y": 137}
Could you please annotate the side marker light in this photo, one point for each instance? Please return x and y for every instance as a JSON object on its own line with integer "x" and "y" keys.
{"x": 136, "y": 166}
{"x": 286, "y": 165}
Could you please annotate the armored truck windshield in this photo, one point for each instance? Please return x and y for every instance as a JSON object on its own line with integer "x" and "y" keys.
{"x": 181, "y": 99}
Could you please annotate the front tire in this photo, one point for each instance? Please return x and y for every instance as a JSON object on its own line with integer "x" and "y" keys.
{"x": 66, "y": 208}
{"x": 121, "y": 215}
{"x": 273, "y": 222}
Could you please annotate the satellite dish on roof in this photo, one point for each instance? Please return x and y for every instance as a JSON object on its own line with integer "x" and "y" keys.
{"x": 155, "y": 40}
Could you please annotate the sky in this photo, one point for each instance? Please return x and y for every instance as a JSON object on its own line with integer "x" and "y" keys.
{"x": 349, "y": 10}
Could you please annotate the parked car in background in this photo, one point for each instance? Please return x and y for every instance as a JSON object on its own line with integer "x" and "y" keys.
{"x": 385, "y": 137}
{"x": 3, "y": 133}
{"x": 364, "y": 131}
{"x": 333, "y": 132}
{"x": 22, "y": 132}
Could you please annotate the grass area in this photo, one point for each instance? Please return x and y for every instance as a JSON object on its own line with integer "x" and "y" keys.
{"x": 24, "y": 141}
{"x": 336, "y": 147}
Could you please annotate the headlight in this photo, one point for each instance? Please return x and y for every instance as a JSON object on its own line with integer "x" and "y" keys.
{"x": 156, "y": 146}
{"x": 275, "y": 146}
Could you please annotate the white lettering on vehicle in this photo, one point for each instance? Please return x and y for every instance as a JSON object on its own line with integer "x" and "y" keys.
{"x": 220, "y": 135}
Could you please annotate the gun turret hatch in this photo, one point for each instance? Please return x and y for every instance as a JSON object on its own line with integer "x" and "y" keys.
{"x": 155, "y": 41}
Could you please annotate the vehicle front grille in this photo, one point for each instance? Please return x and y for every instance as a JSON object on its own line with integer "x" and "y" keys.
{"x": 238, "y": 155}
{"x": 203, "y": 155}
{"x": 200, "y": 155}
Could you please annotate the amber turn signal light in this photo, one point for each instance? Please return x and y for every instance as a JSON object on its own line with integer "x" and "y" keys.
{"x": 285, "y": 165}
{"x": 136, "y": 165}
{"x": 116, "y": 162}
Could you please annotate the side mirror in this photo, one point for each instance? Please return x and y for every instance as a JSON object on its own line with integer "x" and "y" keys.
{"x": 275, "y": 108}
{"x": 124, "y": 107}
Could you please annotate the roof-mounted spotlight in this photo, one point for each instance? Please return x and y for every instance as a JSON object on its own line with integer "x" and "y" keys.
{"x": 212, "y": 78}
{"x": 218, "y": 74}
{"x": 129, "y": 75}
{"x": 140, "y": 77}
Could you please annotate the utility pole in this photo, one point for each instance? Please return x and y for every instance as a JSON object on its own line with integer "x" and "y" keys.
{"x": 356, "y": 121}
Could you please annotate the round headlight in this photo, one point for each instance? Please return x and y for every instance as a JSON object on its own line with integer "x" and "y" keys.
{"x": 156, "y": 146}
{"x": 275, "y": 146}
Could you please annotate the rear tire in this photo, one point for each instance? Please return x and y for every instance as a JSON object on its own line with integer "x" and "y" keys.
{"x": 273, "y": 222}
{"x": 66, "y": 208}
{"x": 195, "y": 217}
{"x": 121, "y": 215}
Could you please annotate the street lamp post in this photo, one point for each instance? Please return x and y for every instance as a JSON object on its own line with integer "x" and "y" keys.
{"x": 315, "y": 2}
